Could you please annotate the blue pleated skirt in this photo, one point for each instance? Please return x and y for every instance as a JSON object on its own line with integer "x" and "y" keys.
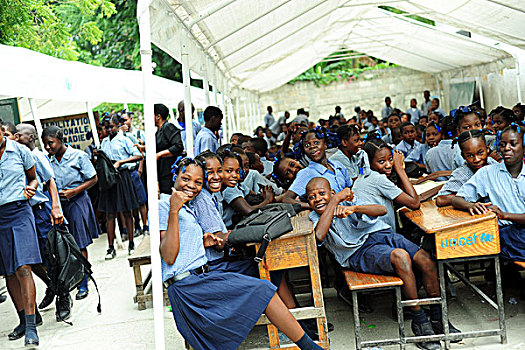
{"x": 512, "y": 239}
{"x": 217, "y": 310}
{"x": 120, "y": 198}
{"x": 245, "y": 266}
{"x": 82, "y": 222}
{"x": 139, "y": 187}
{"x": 18, "y": 238}
{"x": 43, "y": 225}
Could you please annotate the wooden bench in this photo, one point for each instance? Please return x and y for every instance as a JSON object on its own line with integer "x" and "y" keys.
{"x": 361, "y": 282}
{"x": 142, "y": 257}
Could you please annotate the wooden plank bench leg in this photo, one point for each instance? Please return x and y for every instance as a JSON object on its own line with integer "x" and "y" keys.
{"x": 400, "y": 319}
{"x": 139, "y": 286}
{"x": 273, "y": 332}
{"x": 357, "y": 321}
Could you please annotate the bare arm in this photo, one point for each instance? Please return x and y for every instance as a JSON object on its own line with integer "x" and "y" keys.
{"x": 409, "y": 197}
{"x": 56, "y": 215}
{"x": 443, "y": 201}
{"x": 169, "y": 239}
{"x": 434, "y": 176}
{"x": 82, "y": 187}
{"x": 473, "y": 208}
{"x": 32, "y": 183}
{"x": 131, "y": 159}
{"x": 290, "y": 197}
{"x": 241, "y": 206}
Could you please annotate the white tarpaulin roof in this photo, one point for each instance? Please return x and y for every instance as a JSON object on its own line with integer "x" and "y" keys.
{"x": 260, "y": 45}
{"x": 62, "y": 87}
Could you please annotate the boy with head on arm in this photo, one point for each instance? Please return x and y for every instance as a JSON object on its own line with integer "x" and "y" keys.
{"x": 362, "y": 243}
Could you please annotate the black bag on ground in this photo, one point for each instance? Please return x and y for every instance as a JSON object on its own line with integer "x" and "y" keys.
{"x": 66, "y": 264}
{"x": 107, "y": 174}
{"x": 262, "y": 226}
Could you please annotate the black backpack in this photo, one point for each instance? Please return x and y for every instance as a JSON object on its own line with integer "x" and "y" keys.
{"x": 66, "y": 264}
{"x": 263, "y": 225}
{"x": 107, "y": 174}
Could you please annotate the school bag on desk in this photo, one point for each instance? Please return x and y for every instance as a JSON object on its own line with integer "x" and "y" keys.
{"x": 263, "y": 225}
{"x": 67, "y": 266}
{"x": 107, "y": 174}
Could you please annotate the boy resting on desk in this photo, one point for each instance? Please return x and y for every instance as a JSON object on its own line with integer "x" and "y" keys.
{"x": 362, "y": 243}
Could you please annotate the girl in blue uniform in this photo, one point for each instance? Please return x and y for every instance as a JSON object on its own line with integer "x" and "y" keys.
{"x": 74, "y": 176}
{"x": 212, "y": 309}
{"x": 502, "y": 187}
{"x": 475, "y": 152}
{"x": 121, "y": 198}
{"x": 18, "y": 238}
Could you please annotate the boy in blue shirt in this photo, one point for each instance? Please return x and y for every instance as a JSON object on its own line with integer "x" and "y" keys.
{"x": 363, "y": 243}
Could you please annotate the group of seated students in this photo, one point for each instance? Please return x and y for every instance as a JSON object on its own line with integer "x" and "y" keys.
{"x": 352, "y": 188}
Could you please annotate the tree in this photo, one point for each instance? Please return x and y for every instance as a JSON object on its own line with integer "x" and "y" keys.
{"x": 40, "y": 25}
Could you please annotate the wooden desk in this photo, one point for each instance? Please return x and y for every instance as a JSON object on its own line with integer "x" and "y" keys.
{"x": 142, "y": 257}
{"x": 295, "y": 249}
{"x": 461, "y": 237}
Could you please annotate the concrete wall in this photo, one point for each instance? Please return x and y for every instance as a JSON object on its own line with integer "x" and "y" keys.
{"x": 368, "y": 91}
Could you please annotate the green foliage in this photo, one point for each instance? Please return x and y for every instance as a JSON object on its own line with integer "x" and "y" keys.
{"x": 325, "y": 73}
{"x": 401, "y": 12}
{"x": 49, "y": 26}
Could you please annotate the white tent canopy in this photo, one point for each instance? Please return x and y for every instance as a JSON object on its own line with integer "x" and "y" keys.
{"x": 261, "y": 45}
{"x": 61, "y": 87}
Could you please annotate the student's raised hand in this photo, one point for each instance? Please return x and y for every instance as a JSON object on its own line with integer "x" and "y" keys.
{"x": 345, "y": 195}
{"x": 342, "y": 211}
{"x": 479, "y": 208}
{"x": 268, "y": 193}
{"x": 29, "y": 192}
{"x": 178, "y": 199}
{"x": 293, "y": 128}
{"x": 210, "y": 240}
{"x": 399, "y": 160}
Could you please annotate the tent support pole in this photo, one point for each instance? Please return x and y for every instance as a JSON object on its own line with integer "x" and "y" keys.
{"x": 215, "y": 86}
{"x": 227, "y": 126}
{"x": 93, "y": 124}
{"x": 237, "y": 115}
{"x": 187, "y": 97}
{"x": 206, "y": 84}
{"x": 36, "y": 118}
{"x": 480, "y": 89}
{"x": 518, "y": 77}
{"x": 151, "y": 163}
{"x": 246, "y": 119}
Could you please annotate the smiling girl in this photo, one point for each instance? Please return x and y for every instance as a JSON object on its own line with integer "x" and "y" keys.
{"x": 504, "y": 186}
{"x": 212, "y": 309}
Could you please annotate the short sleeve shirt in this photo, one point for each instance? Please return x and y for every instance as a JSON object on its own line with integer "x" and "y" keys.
{"x": 229, "y": 195}
{"x": 207, "y": 213}
{"x": 351, "y": 163}
{"x": 191, "y": 252}
{"x": 338, "y": 180}
{"x": 443, "y": 157}
{"x": 120, "y": 148}
{"x": 206, "y": 140}
{"x": 458, "y": 178}
{"x": 346, "y": 236}
{"x": 418, "y": 154}
{"x": 74, "y": 169}
{"x": 376, "y": 188}
{"x": 44, "y": 172}
{"x": 495, "y": 184}
{"x": 406, "y": 148}
{"x": 13, "y": 165}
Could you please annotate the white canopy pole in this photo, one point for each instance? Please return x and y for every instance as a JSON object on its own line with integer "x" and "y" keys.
{"x": 92, "y": 123}
{"x": 237, "y": 115}
{"x": 481, "y": 99}
{"x": 215, "y": 85}
{"x": 226, "y": 114}
{"x": 246, "y": 118}
{"x": 36, "y": 118}
{"x": 187, "y": 97}
{"x": 126, "y": 107}
{"x": 206, "y": 84}
{"x": 151, "y": 163}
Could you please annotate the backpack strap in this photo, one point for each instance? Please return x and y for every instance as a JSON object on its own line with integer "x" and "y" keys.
{"x": 262, "y": 249}
{"x": 87, "y": 265}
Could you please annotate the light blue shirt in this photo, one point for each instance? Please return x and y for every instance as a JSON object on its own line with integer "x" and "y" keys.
{"x": 44, "y": 172}
{"x": 406, "y": 148}
{"x": 206, "y": 140}
{"x": 138, "y": 134}
{"x": 418, "y": 154}
{"x": 425, "y": 106}
{"x": 255, "y": 181}
{"x": 415, "y": 114}
{"x": 73, "y": 169}
{"x": 269, "y": 120}
{"x": 370, "y": 127}
{"x": 120, "y": 148}
{"x": 191, "y": 252}
{"x": 495, "y": 184}
{"x": 196, "y": 128}
{"x": 386, "y": 111}
{"x": 207, "y": 213}
{"x": 229, "y": 195}
{"x": 459, "y": 177}
{"x": 338, "y": 180}
{"x": 346, "y": 236}
{"x": 268, "y": 166}
{"x": 351, "y": 164}
{"x": 13, "y": 165}
{"x": 388, "y": 137}
{"x": 376, "y": 188}
{"x": 443, "y": 157}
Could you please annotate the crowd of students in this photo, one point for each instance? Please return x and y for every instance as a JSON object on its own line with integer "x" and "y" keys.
{"x": 351, "y": 173}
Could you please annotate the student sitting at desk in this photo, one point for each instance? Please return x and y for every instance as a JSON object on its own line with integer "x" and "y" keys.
{"x": 502, "y": 185}
{"x": 212, "y": 309}
{"x": 363, "y": 243}
{"x": 475, "y": 152}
